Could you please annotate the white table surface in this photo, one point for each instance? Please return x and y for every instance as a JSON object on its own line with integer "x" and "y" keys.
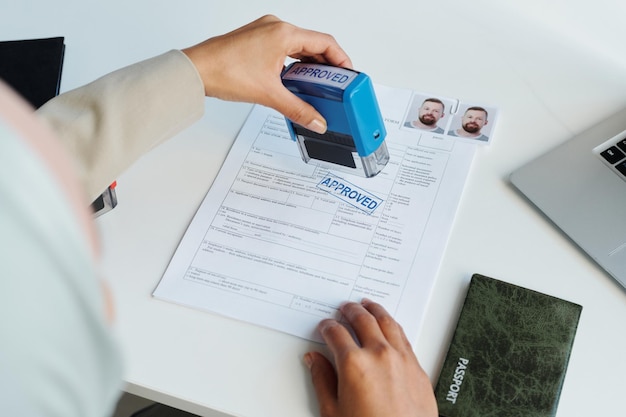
{"x": 553, "y": 68}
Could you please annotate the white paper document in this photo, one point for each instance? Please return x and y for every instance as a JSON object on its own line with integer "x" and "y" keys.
{"x": 272, "y": 245}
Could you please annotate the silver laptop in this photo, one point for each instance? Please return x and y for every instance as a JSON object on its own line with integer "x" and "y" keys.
{"x": 581, "y": 187}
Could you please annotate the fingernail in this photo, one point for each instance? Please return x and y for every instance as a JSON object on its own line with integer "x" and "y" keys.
{"x": 308, "y": 360}
{"x": 317, "y": 126}
{"x": 322, "y": 325}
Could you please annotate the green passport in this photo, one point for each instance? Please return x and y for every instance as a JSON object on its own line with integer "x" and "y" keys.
{"x": 509, "y": 352}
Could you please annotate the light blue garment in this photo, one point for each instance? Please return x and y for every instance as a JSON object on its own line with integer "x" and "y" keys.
{"x": 57, "y": 355}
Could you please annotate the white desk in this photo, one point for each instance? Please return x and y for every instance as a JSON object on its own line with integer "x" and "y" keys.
{"x": 552, "y": 70}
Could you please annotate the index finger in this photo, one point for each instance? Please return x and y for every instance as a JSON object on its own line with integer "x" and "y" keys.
{"x": 337, "y": 337}
{"x": 391, "y": 329}
{"x": 364, "y": 324}
{"x": 320, "y": 46}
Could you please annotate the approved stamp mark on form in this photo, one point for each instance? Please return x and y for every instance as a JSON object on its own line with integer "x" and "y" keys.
{"x": 349, "y": 193}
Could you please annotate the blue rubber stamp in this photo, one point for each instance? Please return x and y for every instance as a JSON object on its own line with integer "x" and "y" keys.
{"x": 355, "y": 139}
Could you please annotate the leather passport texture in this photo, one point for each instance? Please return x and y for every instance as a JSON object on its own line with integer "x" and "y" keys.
{"x": 509, "y": 352}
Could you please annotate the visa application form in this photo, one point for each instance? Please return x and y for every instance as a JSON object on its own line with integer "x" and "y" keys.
{"x": 271, "y": 245}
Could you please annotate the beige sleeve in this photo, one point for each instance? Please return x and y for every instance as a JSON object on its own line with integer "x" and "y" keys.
{"x": 109, "y": 123}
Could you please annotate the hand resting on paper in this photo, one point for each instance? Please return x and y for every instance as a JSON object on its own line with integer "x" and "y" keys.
{"x": 381, "y": 377}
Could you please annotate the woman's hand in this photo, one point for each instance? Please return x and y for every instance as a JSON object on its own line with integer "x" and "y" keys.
{"x": 378, "y": 377}
{"x": 245, "y": 65}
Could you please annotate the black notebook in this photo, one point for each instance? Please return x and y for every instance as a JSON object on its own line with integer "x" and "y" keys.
{"x": 509, "y": 353}
{"x": 33, "y": 67}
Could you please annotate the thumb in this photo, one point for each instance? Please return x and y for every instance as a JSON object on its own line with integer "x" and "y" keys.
{"x": 300, "y": 112}
{"x": 324, "y": 381}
